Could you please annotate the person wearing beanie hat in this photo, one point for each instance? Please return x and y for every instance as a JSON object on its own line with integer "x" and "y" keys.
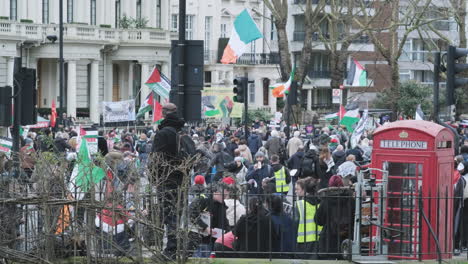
{"x": 229, "y": 180}
{"x": 257, "y": 173}
{"x": 199, "y": 179}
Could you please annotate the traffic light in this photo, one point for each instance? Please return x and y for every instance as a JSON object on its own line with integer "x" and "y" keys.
{"x": 454, "y": 68}
{"x": 240, "y": 91}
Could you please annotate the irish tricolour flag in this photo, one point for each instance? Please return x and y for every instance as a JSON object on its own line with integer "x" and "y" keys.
{"x": 280, "y": 89}
{"x": 244, "y": 31}
{"x": 357, "y": 76}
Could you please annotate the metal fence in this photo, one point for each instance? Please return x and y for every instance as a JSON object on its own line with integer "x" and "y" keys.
{"x": 136, "y": 213}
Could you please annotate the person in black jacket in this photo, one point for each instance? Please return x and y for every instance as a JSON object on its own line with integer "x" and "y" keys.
{"x": 294, "y": 162}
{"x": 214, "y": 205}
{"x": 163, "y": 159}
{"x": 253, "y": 232}
{"x": 335, "y": 214}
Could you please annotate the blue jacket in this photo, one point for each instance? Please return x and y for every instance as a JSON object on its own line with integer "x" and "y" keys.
{"x": 258, "y": 175}
{"x": 284, "y": 228}
{"x": 254, "y": 142}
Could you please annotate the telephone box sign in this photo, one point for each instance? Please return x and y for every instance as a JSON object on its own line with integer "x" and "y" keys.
{"x": 403, "y": 144}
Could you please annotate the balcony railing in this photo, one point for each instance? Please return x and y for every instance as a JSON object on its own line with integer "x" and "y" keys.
{"x": 258, "y": 58}
{"x": 39, "y": 32}
{"x": 319, "y": 74}
{"x": 416, "y": 56}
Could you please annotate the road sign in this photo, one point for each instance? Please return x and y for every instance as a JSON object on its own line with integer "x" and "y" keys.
{"x": 336, "y": 96}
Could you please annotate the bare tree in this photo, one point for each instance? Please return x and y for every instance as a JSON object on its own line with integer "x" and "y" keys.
{"x": 396, "y": 21}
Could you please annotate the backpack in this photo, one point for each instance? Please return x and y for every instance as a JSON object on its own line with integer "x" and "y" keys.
{"x": 185, "y": 145}
{"x": 308, "y": 164}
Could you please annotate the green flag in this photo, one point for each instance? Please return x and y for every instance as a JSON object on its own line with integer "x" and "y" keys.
{"x": 86, "y": 172}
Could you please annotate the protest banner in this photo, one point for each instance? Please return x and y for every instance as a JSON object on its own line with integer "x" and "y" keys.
{"x": 217, "y": 102}
{"x": 120, "y": 111}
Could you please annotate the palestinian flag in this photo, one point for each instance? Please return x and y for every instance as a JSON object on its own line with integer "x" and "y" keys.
{"x": 157, "y": 112}
{"x": 146, "y": 106}
{"x": 85, "y": 173}
{"x": 350, "y": 118}
{"x": 159, "y": 83}
{"x": 280, "y": 89}
{"x": 5, "y": 145}
{"x": 357, "y": 75}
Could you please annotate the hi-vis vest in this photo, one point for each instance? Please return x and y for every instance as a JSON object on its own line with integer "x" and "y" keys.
{"x": 307, "y": 231}
{"x": 280, "y": 178}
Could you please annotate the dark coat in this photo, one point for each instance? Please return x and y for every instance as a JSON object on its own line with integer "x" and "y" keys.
{"x": 357, "y": 152}
{"x": 165, "y": 139}
{"x": 258, "y": 175}
{"x": 165, "y": 143}
{"x": 336, "y": 215}
{"x": 102, "y": 146}
{"x": 294, "y": 161}
{"x": 217, "y": 211}
{"x": 61, "y": 145}
{"x": 339, "y": 157}
{"x": 254, "y": 234}
{"x": 254, "y": 142}
{"x": 284, "y": 229}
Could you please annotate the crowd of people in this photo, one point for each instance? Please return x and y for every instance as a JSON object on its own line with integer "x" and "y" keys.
{"x": 253, "y": 193}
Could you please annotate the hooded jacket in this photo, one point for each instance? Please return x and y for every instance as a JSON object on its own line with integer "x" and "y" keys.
{"x": 165, "y": 139}
{"x": 339, "y": 157}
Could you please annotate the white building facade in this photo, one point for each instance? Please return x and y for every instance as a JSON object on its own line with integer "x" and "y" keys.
{"x": 105, "y": 60}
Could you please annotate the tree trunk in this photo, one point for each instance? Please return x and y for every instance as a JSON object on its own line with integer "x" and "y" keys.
{"x": 459, "y": 103}
{"x": 306, "y": 55}
{"x": 283, "y": 48}
{"x": 395, "y": 89}
{"x": 337, "y": 69}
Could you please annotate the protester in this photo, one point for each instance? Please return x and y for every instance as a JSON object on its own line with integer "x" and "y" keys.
{"x": 253, "y": 233}
{"x": 165, "y": 145}
{"x": 254, "y": 142}
{"x": 273, "y": 145}
{"x": 282, "y": 178}
{"x": 334, "y": 214}
{"x": 294, "y": 144}
{"x": 307, "y": 230}
{"x": 257, "y": 173}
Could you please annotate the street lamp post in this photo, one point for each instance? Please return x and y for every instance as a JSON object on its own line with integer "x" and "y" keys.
{"x": 61, "y": 64}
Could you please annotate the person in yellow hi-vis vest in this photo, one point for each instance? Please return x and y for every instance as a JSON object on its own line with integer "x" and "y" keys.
{"x": 304, "y": 214}
{"x": 281, "y": 177}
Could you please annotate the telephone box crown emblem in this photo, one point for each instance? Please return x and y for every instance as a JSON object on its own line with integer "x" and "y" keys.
{"x": 403, "y": 134}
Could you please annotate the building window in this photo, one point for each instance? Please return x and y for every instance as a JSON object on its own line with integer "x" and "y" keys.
{"x": 223, "y": 30}
{"x": 45, "y": 11}
{"x": 189, "y": 26}
{"x": 251, "y": 93}
{"x": 208, "y": 23}
{"x": 93, "y": 12}
{"x": 13, "y": 10}
{"x": 158, "y": 14}
{"x": 272, "y": 28}
{"x": 266, "y": 91}
{"x": 174, "y": 22}
{"x": 138, "y": 9}
{"x": 69, "y": 11}
{"x": 117, "y": 13}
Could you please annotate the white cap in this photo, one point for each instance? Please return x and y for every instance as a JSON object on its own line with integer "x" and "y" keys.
{"x": 460, "y": 166}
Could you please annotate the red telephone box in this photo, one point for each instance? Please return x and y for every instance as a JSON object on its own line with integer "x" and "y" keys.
{"x": 419, "y": 157}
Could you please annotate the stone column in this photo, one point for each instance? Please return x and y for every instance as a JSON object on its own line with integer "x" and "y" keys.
{"x": 108, "y": 81}
{"x": 144, "y": 90}
{"x": 10, "y": 70}
{"x": 71, "y": 89}
{"x": 130, "y": 80}
{"x": 309, "y": 99}
{"x": 94, "y": 92}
